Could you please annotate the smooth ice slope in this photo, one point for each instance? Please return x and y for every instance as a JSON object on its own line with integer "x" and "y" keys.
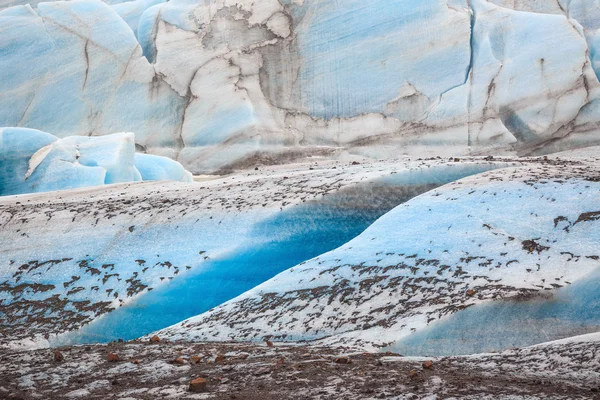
{"x": 33, "y": 161}
{"x": 225, "y": 84}
{"x": 157, "y": 168}
{"x": 519, "y": 233}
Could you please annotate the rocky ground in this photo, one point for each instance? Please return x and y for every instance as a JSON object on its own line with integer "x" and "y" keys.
{"x": 151, "y": 370}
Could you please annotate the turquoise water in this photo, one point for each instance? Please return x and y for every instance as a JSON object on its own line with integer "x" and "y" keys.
{"x": 293, "y": 236}
{"x": 570, "y": 311}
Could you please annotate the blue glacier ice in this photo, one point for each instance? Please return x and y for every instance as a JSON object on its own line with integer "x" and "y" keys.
{"x": 132, "y": 11}
{"x": 157, "y": 168}
{"x": 33, "y": 161}
{"x": 17, "y": 146}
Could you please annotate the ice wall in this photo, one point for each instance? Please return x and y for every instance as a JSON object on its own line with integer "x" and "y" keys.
{"x": 229, "y": 83}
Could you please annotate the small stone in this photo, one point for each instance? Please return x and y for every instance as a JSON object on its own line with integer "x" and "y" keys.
{"x": 428, "y": 364}
{"x": 179, "y": 361}
{"x": 154, "y": 339}
{"x": 115, "y": 382}
{"x": 342, "y": 360}
{"x": 220, "y": 358}
{"x": 269, "y": 343}
{"x": 112, "y": 357}
{"x": 58, "y": 357}
{"x": 262, "y": 371}
{"x": 198, "y": 385}
{"x": 136, "y": 362}
{"x": 471, "y": 292}
{"x": 413, "y": 373}
{"x": 196, "y": 359}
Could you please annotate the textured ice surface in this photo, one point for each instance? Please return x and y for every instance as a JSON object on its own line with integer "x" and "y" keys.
{"x": 132, "y": 11}
{"x": 288, "y": 238}
{"x": 506, "y": 324}
{"x": 74, "y": 256}
{"x": 229, "y": 83}
{"x": 519, "y": 233}
{"x": 33, "y": 161}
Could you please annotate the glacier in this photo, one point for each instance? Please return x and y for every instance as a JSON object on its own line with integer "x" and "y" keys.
{"x": 229, "y": 84}
{"x": 515, "y": 247}
{"x": 302, "y": 189}
{"x": 33, "y": 161}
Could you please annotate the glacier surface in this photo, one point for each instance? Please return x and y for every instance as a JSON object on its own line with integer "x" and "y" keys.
{"x": 159, "y": 252}
{"x": 231, "y": 83}
{"x": 516, "y": 246}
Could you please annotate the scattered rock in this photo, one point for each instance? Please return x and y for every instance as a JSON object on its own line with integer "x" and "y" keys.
{"x": 179, "y": 361}
{"x": 219, "y": 358}
{"x": 58, "y": 357}
{"x": 471, "y": 292}
{"x": 136, "y": 362}
{"x": 196, "y": 359}
{"x": 262, "y": 371}
{"x": 112, "y": 357}
{"x": 269, "y": 343}
{"x": 342, "y": 360}
{"x": 198, "y": 385}
{"x": 413, "y": 373}
{"x": 154, "y": 339}
{"x": 428, "y": 364}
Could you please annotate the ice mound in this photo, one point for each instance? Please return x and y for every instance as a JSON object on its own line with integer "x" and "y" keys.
{"x": 33, "y": 161}
{"x": 157, "y": 168}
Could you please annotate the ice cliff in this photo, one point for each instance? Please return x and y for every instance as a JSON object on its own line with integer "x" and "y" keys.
{"x": 34, "y": 161}
{"x": 228, "y": 83}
